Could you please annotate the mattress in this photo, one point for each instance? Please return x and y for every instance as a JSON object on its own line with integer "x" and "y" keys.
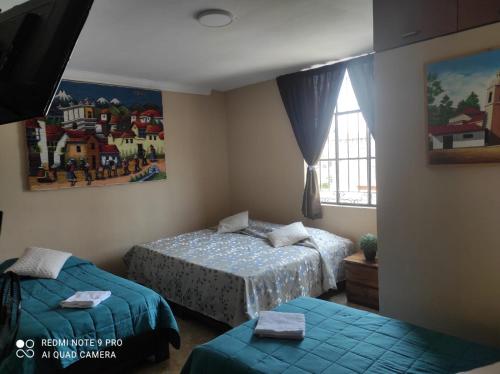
{"x": 54, "y": 338}
{"x": 230, "y": 277}
{"x": 339, "y": 340}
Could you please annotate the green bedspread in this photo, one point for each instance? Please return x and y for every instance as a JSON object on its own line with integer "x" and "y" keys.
{"x": 71, "y": 334}
{"x": 339, "y": 340}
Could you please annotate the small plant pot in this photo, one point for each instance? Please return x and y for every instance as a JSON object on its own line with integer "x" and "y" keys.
{"x": 370, "y": 254}
{"x": 368, "y": 244}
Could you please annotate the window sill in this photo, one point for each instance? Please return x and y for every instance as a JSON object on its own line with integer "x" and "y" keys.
{"x": 348, "y": 206}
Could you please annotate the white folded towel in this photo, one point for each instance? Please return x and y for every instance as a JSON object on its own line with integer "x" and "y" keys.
{"x": 281, "y": 325}
{"x": 85, "y": 299}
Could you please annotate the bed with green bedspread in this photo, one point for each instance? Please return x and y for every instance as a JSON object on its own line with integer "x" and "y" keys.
{"x": 62, "y": 337}
{"x": 339, "y": 340}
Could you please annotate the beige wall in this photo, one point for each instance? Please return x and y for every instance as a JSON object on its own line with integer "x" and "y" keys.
{"x": 267, "y": 168}
{"x": 101, "y": 223}
{"x": 265, "y": 174}
{"x": 439, "y": 238}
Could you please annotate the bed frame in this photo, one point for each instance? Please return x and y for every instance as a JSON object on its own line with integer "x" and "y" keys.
{"x": 186, "y": 313}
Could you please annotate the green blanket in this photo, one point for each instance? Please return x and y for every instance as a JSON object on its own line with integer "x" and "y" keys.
{"x": 61, "y": 337}
{"x": 339, "y": 340}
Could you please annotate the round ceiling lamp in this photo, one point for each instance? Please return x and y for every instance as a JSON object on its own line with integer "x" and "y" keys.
{"x": 214, "y": 17}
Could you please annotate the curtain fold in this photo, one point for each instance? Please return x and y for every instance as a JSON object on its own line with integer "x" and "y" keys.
{"x": 361, "y": 73}
{"x": 309, "y": 98}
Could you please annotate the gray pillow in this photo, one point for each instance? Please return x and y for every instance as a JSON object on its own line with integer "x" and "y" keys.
{"x": 288, "y": 235}
{"x": 233, "y": 223}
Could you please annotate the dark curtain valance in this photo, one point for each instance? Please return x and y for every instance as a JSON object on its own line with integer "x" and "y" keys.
{"x": 361, "y": 74}
{"x": 309, "y": 98}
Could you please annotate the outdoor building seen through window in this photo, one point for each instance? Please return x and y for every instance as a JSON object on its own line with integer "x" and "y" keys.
{"x": 346, "y": 169}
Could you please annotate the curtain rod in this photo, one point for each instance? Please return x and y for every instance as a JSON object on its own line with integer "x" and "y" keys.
{"x": 333, "y": 62}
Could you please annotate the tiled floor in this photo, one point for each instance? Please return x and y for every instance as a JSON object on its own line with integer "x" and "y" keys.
{"x": 194, "y": 332}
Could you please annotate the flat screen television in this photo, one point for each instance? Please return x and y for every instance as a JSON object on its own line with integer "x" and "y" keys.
{"x": 36, "y": 41}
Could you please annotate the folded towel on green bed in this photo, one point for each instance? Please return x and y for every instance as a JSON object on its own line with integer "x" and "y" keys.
{"x": 280, "y": 325}
{"x": 85, "y": 299}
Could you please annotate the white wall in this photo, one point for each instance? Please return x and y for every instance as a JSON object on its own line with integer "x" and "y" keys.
{"x": 438, "y": 226}
{"x": 101, "y": 223}
{"x": 477, "y": 140}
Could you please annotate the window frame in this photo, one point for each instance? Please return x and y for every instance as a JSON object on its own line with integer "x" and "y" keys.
{"x": 369, "y": 158}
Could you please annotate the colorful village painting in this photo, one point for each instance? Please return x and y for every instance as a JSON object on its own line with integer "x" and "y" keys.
{"x": 97, "y": 135}
{"x": 463, "y": 109}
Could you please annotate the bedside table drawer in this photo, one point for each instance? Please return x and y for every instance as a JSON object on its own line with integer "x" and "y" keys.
{"x": 362, "y": 295}
{"x": 362, "y": 274}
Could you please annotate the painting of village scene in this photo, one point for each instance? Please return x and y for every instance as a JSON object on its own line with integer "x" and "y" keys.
{"x": 97, "y": 135}
{"x": 463, "y": 109}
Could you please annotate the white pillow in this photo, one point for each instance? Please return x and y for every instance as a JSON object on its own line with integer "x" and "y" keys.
{"x": 39, "y": 263}
{"x": 288, "y": 235}
{"x": 233, "y": 223}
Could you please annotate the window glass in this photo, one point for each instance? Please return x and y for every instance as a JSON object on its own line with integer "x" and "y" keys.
{"x": 347, "y": 164}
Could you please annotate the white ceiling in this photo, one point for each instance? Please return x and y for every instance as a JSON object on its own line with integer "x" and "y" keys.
{"x": 158, "y": 43}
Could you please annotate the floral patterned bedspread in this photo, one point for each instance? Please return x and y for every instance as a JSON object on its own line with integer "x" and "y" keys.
{"x": 232, "y": 276}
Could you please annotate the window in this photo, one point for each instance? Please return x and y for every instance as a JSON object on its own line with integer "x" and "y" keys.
{"x": 490, "y": 97}
{"x": 467, "y": 136}
{"x": 347, "y": 165}
{"x": 78, "y": 148}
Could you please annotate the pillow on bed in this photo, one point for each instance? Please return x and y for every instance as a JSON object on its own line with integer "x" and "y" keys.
{"x": 288, "y": 235}
{"x": 39, "y": 263}
{"x": 233, "y": 223}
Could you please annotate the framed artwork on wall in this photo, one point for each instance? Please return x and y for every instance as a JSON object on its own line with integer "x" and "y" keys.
{"x": 97, "y": 135}
{"x": 463, "y": 109}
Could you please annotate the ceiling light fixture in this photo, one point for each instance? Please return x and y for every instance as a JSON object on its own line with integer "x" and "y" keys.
{"x": 214, "y": 17}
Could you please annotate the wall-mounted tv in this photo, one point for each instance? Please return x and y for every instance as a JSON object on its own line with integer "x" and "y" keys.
{"x": 36, "y": 41}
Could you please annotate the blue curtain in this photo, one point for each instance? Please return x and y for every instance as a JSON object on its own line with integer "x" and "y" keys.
{"x": 361, "y": 74}
{"x": 309, "y": 98}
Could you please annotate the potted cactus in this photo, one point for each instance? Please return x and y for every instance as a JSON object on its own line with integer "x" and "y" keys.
{"x": 368, "y": 244}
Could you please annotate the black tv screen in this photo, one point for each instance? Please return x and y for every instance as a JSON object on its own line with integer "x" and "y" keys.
{"x": 36, "y": 41}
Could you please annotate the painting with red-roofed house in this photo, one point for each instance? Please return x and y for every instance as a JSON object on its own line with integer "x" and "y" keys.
{"x": 97, "y": 135}
{"x": 463, "y": 109}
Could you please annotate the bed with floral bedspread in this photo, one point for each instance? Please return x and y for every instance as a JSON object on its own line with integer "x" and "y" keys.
{"x": 230, "y": 277}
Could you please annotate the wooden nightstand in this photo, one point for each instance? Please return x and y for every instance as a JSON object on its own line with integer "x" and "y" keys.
{"x": 361, "y": 280}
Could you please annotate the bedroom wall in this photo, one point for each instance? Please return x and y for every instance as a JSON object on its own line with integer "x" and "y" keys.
{"x": 437, "y": 225}
{"x": 102, "y": 223}
{"x": 266, "y": 168}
